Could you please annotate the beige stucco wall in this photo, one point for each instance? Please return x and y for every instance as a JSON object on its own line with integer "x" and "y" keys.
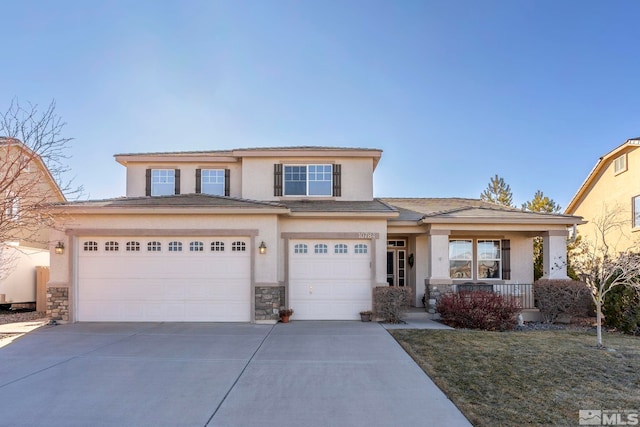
{"x": 357, "y": 173}
{"x": 612, "y": 193}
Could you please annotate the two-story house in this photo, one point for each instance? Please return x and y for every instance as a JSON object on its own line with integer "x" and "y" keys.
{"x": 235, "y": 235}
{"x": 612, "y": 189}
{"x": 28, "y": 189}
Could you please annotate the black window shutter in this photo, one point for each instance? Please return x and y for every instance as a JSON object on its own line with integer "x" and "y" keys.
{"x": 506, "y": 259}
{"x": 227, "y": 182}
{"x": 177, "y": 179}
{"x": 198, "y": 181}
{"x": 277, "y": 179}
{"x": 147, "y": 190}
{"x": 337, "y": 180}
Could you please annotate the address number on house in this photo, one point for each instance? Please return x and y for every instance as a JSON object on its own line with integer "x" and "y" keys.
{"x": 368, "y": 235}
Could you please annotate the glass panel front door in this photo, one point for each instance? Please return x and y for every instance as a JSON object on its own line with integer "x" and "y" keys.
{"x": 396, "y": 267}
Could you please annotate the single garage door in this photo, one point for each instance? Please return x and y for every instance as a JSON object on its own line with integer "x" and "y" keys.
{"x": 329, "y": 280}
{"x": 164, "y": 279}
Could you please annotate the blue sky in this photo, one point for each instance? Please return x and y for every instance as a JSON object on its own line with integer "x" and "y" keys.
{"x": 454, "y": 92}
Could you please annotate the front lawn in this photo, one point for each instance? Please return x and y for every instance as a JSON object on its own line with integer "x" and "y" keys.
{"x": 534, "y": 377}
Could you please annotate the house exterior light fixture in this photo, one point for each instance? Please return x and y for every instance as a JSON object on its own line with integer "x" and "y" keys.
{"x": 262, "y": 248}
{"x": 60, "y": 248}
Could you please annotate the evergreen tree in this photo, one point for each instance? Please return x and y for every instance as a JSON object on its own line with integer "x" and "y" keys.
{"x": 541, "y": 203}
{"x": 498, "y": 192}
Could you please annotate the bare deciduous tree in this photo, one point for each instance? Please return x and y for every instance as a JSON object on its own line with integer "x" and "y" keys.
{"x": 33, "y": 168}
{"x": 602, "y": 266}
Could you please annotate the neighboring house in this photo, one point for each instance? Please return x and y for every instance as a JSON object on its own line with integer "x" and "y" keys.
{"x": 28, "y": 189}
{"x": 235, "y": 235}
{"x": 612, "y": 187}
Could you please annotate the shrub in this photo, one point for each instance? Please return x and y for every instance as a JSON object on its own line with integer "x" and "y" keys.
{"x": 555, "y": 298}
{"x": 478, "y": 310}
{"x": 390, "y": 302}
{"x": 621, "y": 309}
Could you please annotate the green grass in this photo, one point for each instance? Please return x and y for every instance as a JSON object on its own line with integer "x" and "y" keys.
{"x": 528, "y": 378}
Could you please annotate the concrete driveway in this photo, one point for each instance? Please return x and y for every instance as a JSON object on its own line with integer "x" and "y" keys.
{"x": 213, "y": 374}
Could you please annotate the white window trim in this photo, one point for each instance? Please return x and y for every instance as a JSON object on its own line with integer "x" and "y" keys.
{"x": 203, "y": 184}
{"x": 163, "y": 181}
{"x": 475, "y": 260}
{"x": 635, "y": 213}
{"x": 284, "y": 180}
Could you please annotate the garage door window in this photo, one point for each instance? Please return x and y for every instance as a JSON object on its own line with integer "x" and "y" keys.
{"x": 175, "y": 246}
{"x": 217, "y": 246}
{"x": 320, "y": 248}
{"x": 154, "y": 246}
{"x": 91, "y": 246}
{"x": 111, "y": 247}
{"x": 361, "y": 248}
{"x": 196, "y": 247}
{"x": 300, "y": 248}
{"x": 340, "y": 249}
{"x": 133, "y": 247}
{"x": 238, "y": 247}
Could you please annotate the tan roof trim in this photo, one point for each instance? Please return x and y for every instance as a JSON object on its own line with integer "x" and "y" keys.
{"x": 125, "y": 159}
{"x": 176, "y": 210}
{"x": 628, "y": 145}
{"x": 329, "y": 214}
{"x": 504, "y": 220}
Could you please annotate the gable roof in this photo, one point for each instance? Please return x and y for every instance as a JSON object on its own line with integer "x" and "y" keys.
{"x": 601, "y": 164}
{"x": 444, "y": 210}
{"x": 14, "y": 142}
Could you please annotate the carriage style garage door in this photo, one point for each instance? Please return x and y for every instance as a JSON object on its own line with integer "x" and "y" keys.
{"x": 329, "y": 280}
{"x": 164, "y": 279}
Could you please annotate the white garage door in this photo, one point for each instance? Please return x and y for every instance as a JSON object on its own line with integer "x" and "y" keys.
{"x": 164, "y": 279}
{"x": 329, "y": 280}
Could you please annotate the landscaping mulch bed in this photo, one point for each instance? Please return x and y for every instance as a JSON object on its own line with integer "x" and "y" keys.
{"x": 21, "y": 315}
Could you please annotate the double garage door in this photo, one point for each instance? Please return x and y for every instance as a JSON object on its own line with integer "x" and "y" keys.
{"x": 164, "y": 279}
{"x": 329, "y": 279}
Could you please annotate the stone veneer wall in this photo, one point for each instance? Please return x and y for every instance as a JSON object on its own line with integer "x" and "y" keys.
{"x": 268, "y": 299}
{"x": 433, "y": 293}
{"x": 58, "y": 304}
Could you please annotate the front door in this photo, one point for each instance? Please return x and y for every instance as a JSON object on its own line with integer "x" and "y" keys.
{"x": 396, "y": 267}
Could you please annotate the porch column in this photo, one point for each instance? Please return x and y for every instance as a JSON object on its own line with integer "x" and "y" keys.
{"x": 438, "y": 258}
{"x": 554, "y": 254}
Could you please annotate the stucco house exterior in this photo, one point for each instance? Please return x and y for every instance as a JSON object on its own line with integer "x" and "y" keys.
{"x": 233, "y": 235}
{"x": 28, "y": 189}
{"x": 612, "y": 187}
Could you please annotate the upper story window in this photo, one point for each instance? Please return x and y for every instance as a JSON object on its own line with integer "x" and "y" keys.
{"x": 12, "y": 207}
{"x": 212, "y": 182}
{"x": 163, "y": 182}
{"x": 620, "y": 164}
{"x": 308, "y": 180}
{"x": 636, "y": 211}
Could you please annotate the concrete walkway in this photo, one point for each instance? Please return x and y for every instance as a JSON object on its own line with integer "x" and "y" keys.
{"x": 198, "y": 374}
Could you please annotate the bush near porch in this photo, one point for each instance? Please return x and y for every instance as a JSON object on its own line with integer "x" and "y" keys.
{"x": 562, "y": 298}
{"x": 391, "y": 302}
{"x": 478, "y": 310}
